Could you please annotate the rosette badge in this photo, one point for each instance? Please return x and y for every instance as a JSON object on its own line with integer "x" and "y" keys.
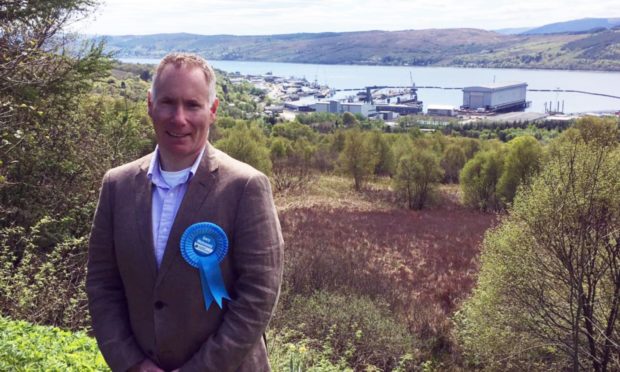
{"x": 204, "y": 245}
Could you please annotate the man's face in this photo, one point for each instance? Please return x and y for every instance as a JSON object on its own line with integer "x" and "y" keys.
{"x": 181, "y": 115}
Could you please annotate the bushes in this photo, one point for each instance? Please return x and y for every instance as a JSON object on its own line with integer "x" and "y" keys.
{"x": 548, "y": 295}
{"x": 27, "y": 347}
{"x": 42, "y": 274}
{"x": 357, "y": 158}
{"x": 292, "y": 351}
{"x": 361, "y": 331}
{"x": 246, "y": 142}
{"x": 490, "y": 180}
{"x": 416, "y": 177}
{"x": 479, "y": 180}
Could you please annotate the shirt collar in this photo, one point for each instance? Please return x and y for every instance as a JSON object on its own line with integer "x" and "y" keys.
{"x": 154, "y": 174}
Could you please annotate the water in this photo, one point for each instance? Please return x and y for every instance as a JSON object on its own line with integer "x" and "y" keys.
{"x": 355, "y": 76}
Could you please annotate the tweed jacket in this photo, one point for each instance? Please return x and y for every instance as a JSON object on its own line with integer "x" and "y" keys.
{"x": 139, "y": 311}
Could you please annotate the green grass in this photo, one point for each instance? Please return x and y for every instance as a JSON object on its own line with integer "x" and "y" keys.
{"x": 27, "y": 347}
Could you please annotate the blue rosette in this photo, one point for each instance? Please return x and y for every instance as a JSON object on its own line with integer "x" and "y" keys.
{"x": 204, "y": 245}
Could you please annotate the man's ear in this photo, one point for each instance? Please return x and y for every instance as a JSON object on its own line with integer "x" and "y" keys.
{"x": 214, "y": 106}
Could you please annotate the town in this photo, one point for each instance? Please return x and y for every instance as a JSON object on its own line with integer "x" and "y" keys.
{"x": 496, "y": 102}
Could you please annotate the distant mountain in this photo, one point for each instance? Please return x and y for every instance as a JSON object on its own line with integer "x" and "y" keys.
{"x": 422, "y": 47}
{"x": 513, "y": 31}
{"x": 433, "y": 47}
{"x": 578, "y": 25}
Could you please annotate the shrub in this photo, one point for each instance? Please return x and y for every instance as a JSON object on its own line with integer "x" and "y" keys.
{"x": 358, "y": 158}
{"x": 291, "y": 351}
{"x": 479, "y": 179}
{"x": 452, "y": 162}
{"x": 352, "y": 327}
{"x": 42, "y": 274}
{"x": 522, "y": 162}
{"x": 416, "y": 177}
{"x": 246, "y": 142}
{"x": 27, "y": 347}
{"x": 548, "y": 295}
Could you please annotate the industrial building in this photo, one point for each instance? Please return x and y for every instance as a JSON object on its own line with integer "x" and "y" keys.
{"x": 401, "y": 109}
{"x": 335, "y": 107}
{"x": 440, "y": 110}
{"x": 495, "y": 97}
{"x": 386, "y": 115}
{"x": 297, "y": 106}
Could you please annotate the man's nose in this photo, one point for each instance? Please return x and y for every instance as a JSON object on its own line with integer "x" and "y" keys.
{"x": 179, "y": 114}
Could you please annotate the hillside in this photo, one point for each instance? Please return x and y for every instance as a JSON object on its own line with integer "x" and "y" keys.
{"x": 431, "y": 47}
{"x": 577, "y": 25}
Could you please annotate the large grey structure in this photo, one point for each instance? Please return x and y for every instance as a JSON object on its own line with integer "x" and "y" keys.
{"x": 495, "y": 97}
{"x": 365, "y": 109}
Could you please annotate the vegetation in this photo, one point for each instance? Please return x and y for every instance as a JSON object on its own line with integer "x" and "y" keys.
{"x": 548, "y": 295}
{"x": 491, "y": 178}
{"x": 357, "y": 158}
{"x": 479, "y": 179}
{"x": 416, "y": 177}
{"x": 368, "y": 283}
{"x": 27, "y": 347}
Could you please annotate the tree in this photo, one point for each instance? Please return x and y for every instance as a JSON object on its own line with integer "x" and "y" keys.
{"x": 385, "y": 156}
{"x": 294, "y": 131}
{"x": 57, "y": 139}
{"x": 43, "y": 78}
{"x": 522, "y": 161}
{"x": 357, "y": 159}
{"x": 416, "y": 176}
{"x": 292, "y": 163}
{"x": 469, "y": 145}
{"x": 452, "y": 162}
{"x": 247, "y": 143}
{"x": 550, "y": 279}
{"x": 479, "y": 178}
{"x": 349, "y": 120}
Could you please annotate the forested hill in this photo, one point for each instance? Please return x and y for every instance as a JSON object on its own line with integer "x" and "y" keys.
{"x": 433, "y": 47}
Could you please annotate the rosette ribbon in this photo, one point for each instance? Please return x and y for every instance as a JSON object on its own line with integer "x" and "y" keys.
{"x": 204, "y": 245}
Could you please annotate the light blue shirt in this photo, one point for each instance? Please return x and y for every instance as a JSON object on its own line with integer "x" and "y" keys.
{"x": 167, "y": 194}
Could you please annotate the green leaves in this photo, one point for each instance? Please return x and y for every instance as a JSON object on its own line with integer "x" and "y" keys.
{"x": 416, "y": 176}
{"x": 548, "y": 293}
{"x": 27, "y": 347}
{"x": 247, "y": 142}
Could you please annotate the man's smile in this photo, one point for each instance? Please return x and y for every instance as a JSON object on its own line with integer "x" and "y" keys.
{"x": 177, "y": 135}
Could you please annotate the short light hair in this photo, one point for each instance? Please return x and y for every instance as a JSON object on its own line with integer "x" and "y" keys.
{"x": 187, "y": 60}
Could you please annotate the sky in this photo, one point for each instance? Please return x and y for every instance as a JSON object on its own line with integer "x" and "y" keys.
{"x": 266, "y": 17}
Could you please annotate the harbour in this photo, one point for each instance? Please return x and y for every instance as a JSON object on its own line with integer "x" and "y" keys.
{"x": 580, "y": 91}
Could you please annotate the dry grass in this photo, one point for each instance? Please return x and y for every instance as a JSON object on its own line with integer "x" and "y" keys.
{"x": 334, "y": 192}
{"x": 421, "y": 263}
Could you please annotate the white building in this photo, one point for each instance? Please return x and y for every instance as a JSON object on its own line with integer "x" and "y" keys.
{"x": 495, "y": 97}
{"x": 335, "y": 107}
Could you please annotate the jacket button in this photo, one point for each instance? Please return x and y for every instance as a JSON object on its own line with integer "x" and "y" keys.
{"x": 159, "y": 305}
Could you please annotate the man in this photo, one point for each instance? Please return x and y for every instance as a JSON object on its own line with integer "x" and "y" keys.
{"x": 145, "y": 299}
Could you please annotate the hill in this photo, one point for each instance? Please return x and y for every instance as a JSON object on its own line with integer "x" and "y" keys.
{"x": 431, "y": 47}
{"x": 577, "y": 25}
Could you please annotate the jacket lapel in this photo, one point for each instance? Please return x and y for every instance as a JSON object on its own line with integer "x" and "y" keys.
{"x": 195, "y": 197}
{"x": 143, "y": 213}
